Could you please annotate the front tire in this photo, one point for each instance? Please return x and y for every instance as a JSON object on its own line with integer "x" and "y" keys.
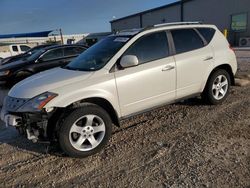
{"x": 85, "y": 131}
{"x": 217, "y": 88}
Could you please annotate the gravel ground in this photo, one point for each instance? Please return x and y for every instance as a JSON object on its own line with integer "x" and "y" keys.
{"x": 188, "y": 144}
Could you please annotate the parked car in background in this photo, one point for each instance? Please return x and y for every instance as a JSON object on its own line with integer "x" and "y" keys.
{"x": 122, "y": 75}
{"x": 43, "y": 59}
{"x": 93, "y": 38}
{"x": 12, "y": 50}
{"x": 24, "y": 55}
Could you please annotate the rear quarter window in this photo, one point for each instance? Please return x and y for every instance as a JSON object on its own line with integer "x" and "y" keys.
{"x": 207, "y": 33}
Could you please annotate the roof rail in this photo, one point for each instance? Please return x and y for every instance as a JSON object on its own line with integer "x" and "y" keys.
{"x": 177, "y": 23}
{"x": 139, "y": 30}
{"x": 130, "y": 30}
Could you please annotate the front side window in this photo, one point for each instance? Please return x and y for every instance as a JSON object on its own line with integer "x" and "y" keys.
{"x": 24, "y": 48}
{"x": 97, "y": 56}
{"x": 14, "y": 48}
{"x": 53, "y": 54}
{"x": 72, "y": 51}
{"x": 150, "y": 47}
{"x": 186, "y": 40}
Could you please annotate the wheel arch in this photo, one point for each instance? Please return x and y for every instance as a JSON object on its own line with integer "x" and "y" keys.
{"x": 103, "y": 103}
{"x": 57, "y": 117}
{"x": 24, "y": 71}
{"x": 226, "y": 67}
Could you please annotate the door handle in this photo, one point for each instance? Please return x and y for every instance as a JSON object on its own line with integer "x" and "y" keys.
{"x": 168, "y": 68}
{"x": 208, "y": 58}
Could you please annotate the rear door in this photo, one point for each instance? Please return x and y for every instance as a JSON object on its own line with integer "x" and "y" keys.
{"x": 194, "y": 59}
{"x": 153, "y": 81}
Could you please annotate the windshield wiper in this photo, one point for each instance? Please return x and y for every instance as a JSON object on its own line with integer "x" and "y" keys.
{"x": 70, "y": 68}
{"x": 78, "y": 69}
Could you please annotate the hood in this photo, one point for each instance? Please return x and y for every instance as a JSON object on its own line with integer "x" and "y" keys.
{"x": 13, "y": 65}
{"x": 13, "y": 58}
{"x": 4, "y": 60}
{"x": 46, "y": 81}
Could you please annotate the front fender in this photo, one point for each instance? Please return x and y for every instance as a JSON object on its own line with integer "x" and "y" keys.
{"x": 73, "y": 93}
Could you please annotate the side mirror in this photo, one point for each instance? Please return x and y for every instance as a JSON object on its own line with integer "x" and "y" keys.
{"x": 129, "y": 61}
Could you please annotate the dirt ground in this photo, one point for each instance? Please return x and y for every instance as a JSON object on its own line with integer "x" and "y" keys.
{"x": 188, "y": 144}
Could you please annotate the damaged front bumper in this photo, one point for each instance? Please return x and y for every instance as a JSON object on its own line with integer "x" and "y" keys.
{"x": 33, "y": 125}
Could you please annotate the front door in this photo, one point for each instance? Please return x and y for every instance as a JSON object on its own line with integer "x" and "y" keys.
{"x": 153, "y": 81}
{"x": 52, "y": 58}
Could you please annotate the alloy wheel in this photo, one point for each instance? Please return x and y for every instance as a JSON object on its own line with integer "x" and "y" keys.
{"x": 220, "y": 87}
{"x": 87, "y": 132}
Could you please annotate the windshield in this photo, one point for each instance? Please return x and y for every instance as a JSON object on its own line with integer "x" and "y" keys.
{"x": 97, "y": 56}
{"x": 32, "y": 51}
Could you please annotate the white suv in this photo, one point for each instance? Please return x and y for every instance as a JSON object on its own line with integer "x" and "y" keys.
{"x": 124, "y": 74}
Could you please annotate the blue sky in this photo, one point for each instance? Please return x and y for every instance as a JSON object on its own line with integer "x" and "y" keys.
{"x": 73, "y": 16}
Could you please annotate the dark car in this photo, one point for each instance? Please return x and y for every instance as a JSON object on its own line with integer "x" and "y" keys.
{"x": 24, "y": 55}
{"x": 43, "y": 59}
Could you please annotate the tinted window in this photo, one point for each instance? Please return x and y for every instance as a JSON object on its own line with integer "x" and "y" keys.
{"x": 186, "y": 40}
{"x": 71, "y": 51}
{"x": 149, "y": 48}
{"x": 91, "y": 42}
{"x": 53, "y": 54}
{"x": 207, "y": 33}
{"x": 14, "y": 48}
{"x": 34, "y": 55}
{"x": 24, "y": 48}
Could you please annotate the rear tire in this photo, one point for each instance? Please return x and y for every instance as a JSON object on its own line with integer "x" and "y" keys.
{"x": 217, "y": 88}
{"x": 85, "y": 131}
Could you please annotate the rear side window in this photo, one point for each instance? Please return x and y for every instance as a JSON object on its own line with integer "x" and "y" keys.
{"x": 186, "y": 40}
{"x": 14, "y": 48}
{"x": 207, "y": 33}
{"x": 72, "y": 51}
{"x": 150, "y": 47}
{"x": 53, "y": 54}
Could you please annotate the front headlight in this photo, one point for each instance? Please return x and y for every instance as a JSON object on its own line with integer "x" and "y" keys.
{"x": 37, "y": 103}
{"x": 4, "y": 73}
